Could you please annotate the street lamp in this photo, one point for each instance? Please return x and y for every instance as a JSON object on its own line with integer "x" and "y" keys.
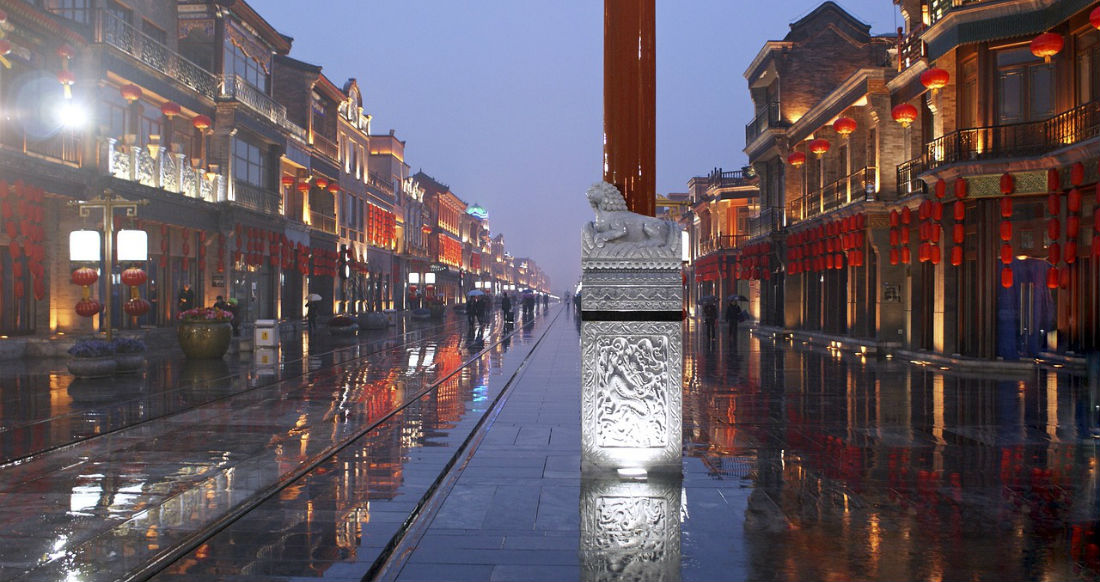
{"x": 133, "y": 245}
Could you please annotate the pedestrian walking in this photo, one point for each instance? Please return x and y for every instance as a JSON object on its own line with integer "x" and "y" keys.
{"x": 710, "y": 318}
{"x": 733, "y": 317}
{"x": 311, "y": 315}
{"x": 506, "y": 307}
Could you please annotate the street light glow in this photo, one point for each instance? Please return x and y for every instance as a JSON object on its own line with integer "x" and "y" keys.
{"x": 72, "y": 114}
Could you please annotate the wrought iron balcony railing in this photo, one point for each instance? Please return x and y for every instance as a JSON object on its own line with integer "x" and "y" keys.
{"x": 766, "y": 119}
{"x": 854, "y": 187}
{"x": 1002, "y": 141}
{"x": 253, "y": 197}
{"x": 322, "y": 221}
{"x": 236, "y": 88}
{"x": 721, "y": 242}
{"x": 108, "y": 28}
{"x": 170, "y": 171}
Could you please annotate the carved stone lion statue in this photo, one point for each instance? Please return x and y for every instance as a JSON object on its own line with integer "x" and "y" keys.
{"x": 615, "y": 224}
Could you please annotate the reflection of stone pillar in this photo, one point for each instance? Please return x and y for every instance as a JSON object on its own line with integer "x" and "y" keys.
{"x": 630, "y": 530}
{"x": 631, "y": 352}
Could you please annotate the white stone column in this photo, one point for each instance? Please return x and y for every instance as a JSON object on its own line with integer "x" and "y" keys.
{"x": 631, "y": 342}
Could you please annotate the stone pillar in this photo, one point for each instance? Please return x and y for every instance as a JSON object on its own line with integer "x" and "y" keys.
{"x": 631, "y": 344}
{"x": 630, "y": 530}
{"x": 629, "y": 101}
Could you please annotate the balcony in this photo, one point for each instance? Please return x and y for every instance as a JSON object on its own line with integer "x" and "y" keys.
{"x": 938, "y": 9}
{"x": 851, "y": 188}
{"x": 767, "y": 221}
{"x": 237, "y": 89}
{"x": 322, "y": 222}
{"x": 326, "y": 147}
{"x": 766, "y": 119}
{"x": 170, "y": 171}
{"x": 64, "y": 147}
{"x": 1002, "y": 141}
{"x": 911, "y": 48}
{"x": 380, "y": 183}
{"x": 255, "y": 198}
{"x": 109, "y": 29}
{"x": 720, "y": 243}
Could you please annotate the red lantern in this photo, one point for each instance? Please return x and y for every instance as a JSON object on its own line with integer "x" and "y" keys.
{"x": 136, "y": 307}
{"x": 1006, "y": 207}
{"x": 1054, "y": 229}
{"x": 956, "y": 255}
{"x": 937, "y": 211}
{"x": 303, "y": 187}
{"x": 1094, "y": 17}
{"x": 1073, "y": 200}
{"x": 1006, "y": 253}
{"x": 904, "y": 236}
{"x": 960, "y": 211}
{"x": 1006, "y": 277}
{"x": 67, "y": 79}
{"x": 1073, "y": 227}
{"x": 1053, "y": 180}
{"x": 133, "y": 277}
{"x": 1054, "y": 253}
{"x": 1008, "y": 183}
{"x": 334, "y": 188}
{"x": 941, "y": 188}
{"x": 934, "y": 232}
{"x": 904, "y": 114}
{"x": 287, "y": 181}
{"x": 819, "y": 146}
{"x": 893, "y": 237}
{"x": 84, "y": 276}
{"x": 87, "y": 307}
{"x": 895, "y": 218}
{"x": 935, "y": 79}
{"x": 1077, "y": 174}
{"x": 1063, "y": 277}
{"x": 1071, "y": 252}
{"x": 130, "y": 92}
{"x": 201, "y": 122}
{"x": 321, "y": 182}
{"x": 958, "y": 234}
{"x": 170, "y": 109}
{"x": 1052, "y": 278}
{"x": 923, "y": 210}
{"x": 1054, "y": 204}
{"x": 1006, "y": 230}
{"x": 1047, "y": 45}
{"x": 844, "y": 126}
{"x": 893, "y": 256}
{"x": 923, "y": 252}
{"x": 906, "y": 215}
{"x": 935, "y": 255}
{"x": 960, "y": 188}
{"x": 906, "y": 255}
{"x": 796, "y": 159}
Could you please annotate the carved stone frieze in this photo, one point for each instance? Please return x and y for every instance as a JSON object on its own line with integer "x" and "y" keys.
{"x": 630, "y": 394}
{"x": 632, "y": 291}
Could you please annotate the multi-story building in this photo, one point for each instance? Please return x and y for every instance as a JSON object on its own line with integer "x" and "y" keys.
{"x": 1009, "y": 144}
{"x": 388, "y": 177}
{"x": 720, "y": 205}
{"x": 446, "y": 212}
{"x": 821, "y": 132}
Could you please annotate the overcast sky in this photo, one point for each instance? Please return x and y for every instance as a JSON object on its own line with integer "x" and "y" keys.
{"x": 503, "y": 99}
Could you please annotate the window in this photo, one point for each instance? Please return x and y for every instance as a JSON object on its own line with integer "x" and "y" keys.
{"x": 248, "y": 163}
{"x": 113, "y": 112}
{"x": 76, "y": 10}
{"x": 247, "y": 68}
{"x": 154, "y": 32}
{"x": 1088, "y": 67}
{"x": 968, "y": 94}
{"x": 1025, "y": 87}
{"x": 118, "y": 25}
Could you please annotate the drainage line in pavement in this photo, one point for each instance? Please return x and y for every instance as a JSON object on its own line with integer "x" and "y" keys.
{"x": 159, "y": 563}
{"x": 396, "y": 552}
{"x": 14, "y": 461}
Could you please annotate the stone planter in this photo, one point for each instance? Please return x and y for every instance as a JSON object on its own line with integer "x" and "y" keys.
{"x": 129, "y": 363}
{"x": 374, "y": 320}
{"x": 92, "y": 367}
{"x": 203, "y": 340}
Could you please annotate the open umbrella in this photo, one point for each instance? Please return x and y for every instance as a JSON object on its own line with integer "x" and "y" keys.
{"x": 313, "y": 297}
{"x": 475, "y": 293}
{"x": 737, "y": 298}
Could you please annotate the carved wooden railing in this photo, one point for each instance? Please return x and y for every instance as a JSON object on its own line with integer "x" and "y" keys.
{"x": 170, "y": 171}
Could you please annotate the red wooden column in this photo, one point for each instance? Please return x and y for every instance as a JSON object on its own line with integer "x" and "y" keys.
{"x": 629, "y": 101}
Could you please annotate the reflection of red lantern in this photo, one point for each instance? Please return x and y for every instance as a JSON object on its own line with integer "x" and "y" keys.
{"x": 1008, "y": 184}
{"x": 1006, "y": 254}
{"x": 1054, "y": 229}
{"x": 1006, "y": 207}
{"x": 906, "y": 215}
{"x": 1006, "y": 277}
{"x": 1054, "y": 253}
{"x": 85, "y": 276}
{"x": 1006, "y": 230}
{"x": 1063, "y": 277}
{"x": 133, "y": 277}
{"x": 935, "y": 255}
{"x": 136, "y": 307}
{"x": 895, "y": 218}
{"x": 1077, "y": 174}
{"x": 1071, "y": 252}
{"x": 941, "y": 188}
{"x": 1054, "y": 204}
{"x": 87, "y": 307}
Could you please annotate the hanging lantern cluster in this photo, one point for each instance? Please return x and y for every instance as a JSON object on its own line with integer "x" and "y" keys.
{"x": 303, "y": 258}
{"x": 899, "y": 236}
{"x": 754, "y": 262}
{"x": 324, "y": 262}
{"x": 958, "y": 230}
{"x": 1008, "y": 186}
{"x": 930, "y": 230}
{"x": 828, "y": 245}
{"x": 1057, "y": 252}
{"x": 134, "y": 277}
{"x": 86, "y": 277}
{"x": 22, "y": 213}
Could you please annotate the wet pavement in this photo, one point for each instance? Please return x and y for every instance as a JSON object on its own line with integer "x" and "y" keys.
{"x": 800, "y": 464}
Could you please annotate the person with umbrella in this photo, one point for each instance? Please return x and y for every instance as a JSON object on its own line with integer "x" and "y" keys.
{"x": 311, "y": 312}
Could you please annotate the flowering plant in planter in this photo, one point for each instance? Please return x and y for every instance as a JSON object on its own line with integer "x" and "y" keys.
{"x": 91, "y": 348}
{"x": 205, "y": 315}
{"x": 342, "y": 320}
{"x": 125, "y": 345}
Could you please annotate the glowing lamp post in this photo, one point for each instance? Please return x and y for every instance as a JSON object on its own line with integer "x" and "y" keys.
{"x": 84, "y": 244}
